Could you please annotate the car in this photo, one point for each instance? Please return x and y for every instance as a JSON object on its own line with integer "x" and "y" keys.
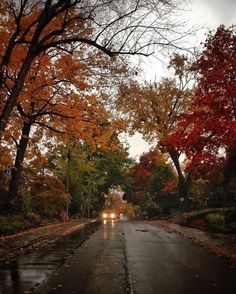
{"x": 109, "y": 214}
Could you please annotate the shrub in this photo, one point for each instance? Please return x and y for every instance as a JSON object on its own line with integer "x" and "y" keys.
{"x": 230, "y": 215}
{"x": 232, "y": 227}
{"x": 34, "y": 218}
{"x": 184, "y": 220}
{"x": 199, "y": 223}
{"x": 49, "y": 196}
{"x": 8, "y": 227}
{"x": 216, "y": 222}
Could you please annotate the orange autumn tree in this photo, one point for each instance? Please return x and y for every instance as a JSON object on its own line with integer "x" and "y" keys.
{"x": 29, "y": 29}
{"x": 120, "y": 206}
{"x": 61, "y": 101}
{"x": 40, "y": 105}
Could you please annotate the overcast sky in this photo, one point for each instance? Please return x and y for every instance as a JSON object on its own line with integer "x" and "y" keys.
{"x": 207, "y": 13}
{"x": 214, "y": 12}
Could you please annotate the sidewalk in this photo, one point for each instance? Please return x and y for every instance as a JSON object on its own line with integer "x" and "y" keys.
{"x": 20, "y": 243}
{"x": 218, "y": 243}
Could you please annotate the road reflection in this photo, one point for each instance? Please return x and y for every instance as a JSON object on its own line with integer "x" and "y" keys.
{"x": 113, "y": 224}
{"x": 109, "y": 229}
{"x": 29, "y": 270}
{"x": 21, "y": 275}
{"x": 109, "y": 223}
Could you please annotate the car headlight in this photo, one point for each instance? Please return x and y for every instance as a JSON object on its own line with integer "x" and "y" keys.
{"x": 104, "y": 215}
{"x": 112, "y": 215}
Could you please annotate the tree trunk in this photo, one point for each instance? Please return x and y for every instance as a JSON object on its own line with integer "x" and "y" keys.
{"x": 229, "y": 172}
{"x": 12, "y": 100}
{"x": 183, "y": 184}
{"x": 14, "y": 203}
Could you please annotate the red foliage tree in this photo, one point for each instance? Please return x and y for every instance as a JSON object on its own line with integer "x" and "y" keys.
{"x": 142, "y": 175}
{"x": 207, "y": 133}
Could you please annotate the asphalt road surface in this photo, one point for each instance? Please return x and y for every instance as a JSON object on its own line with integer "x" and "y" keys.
{"x": 135, "y": 257}
{"x": 123, "y": 257}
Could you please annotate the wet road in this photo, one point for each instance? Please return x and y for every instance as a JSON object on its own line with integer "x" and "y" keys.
{"x": 127, "y": 257}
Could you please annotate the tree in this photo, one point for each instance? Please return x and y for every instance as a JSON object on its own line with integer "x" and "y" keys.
{"x": 151, "y": 109}
{"x": 32, "y": 28}
{"x": 92, "y": 173}
{"x": 161, "y": 178}
{"x": 114, "y": 165}
{"x": 43, "y": 104}
{"x": 207, "y": 132}
{"x": 150, "y": 177}
{"x": 121, "y": 207}
{"x": 49, "y": 196}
